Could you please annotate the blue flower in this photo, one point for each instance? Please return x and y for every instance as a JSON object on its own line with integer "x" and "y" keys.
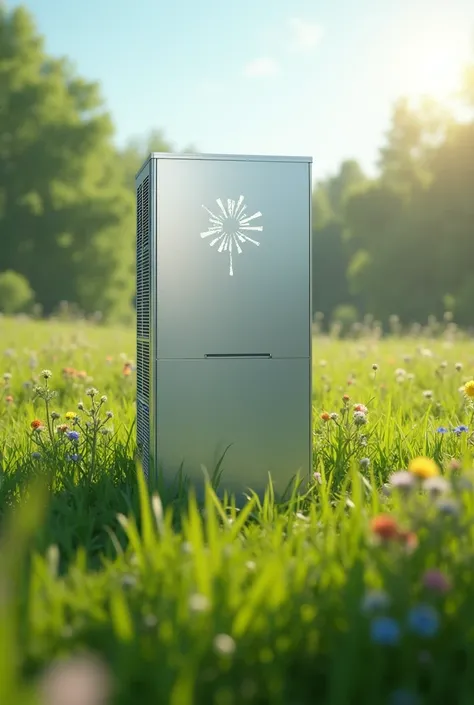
{"x": 403, "y": 697}
{"x": 73, "y": 435}
{"x": 442, "y": 429}
{"x": 73, "y": 458}
{"x": 36, "y": 455}
{"x": 460, "y": 429}
{"x": 384, "y": 631}
{"x": 423, "y": 620}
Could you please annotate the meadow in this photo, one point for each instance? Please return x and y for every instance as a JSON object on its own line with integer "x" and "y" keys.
{"x": 358, "y": 591}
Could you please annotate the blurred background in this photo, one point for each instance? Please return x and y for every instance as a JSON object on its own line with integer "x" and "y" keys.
{"x": 379, "y": 93}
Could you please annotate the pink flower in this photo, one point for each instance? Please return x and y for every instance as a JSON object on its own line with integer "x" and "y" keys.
{"x": 436, "y": 581}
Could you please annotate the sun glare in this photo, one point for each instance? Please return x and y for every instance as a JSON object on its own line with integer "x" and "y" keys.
{"x": 433, "y": 68}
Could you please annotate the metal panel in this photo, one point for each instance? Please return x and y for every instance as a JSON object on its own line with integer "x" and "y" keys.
{"x": 262, "y": 407}
{"x": 233, "y": 265}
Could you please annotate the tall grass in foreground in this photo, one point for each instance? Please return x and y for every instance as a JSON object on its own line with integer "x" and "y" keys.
{"x": 361, "y": 591}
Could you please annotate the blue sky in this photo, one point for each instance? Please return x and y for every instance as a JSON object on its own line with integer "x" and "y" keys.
{"x": 298, "y": 77}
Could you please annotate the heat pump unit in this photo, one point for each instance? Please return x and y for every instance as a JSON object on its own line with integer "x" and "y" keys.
{"x": 224, "y": 319}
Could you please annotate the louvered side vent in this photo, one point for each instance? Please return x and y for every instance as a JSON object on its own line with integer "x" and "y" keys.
{"x": 143, "y": 323}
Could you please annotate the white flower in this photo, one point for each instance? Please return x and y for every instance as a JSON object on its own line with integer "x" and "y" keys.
{"x": 46, "y": 374}
{"x": 428, "y": 394}
{"x": 198, "y": 603}
{"x": 224, "y": 644}
{"x": 360, "y": 418}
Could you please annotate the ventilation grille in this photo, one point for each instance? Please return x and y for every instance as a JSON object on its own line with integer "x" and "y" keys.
{"x": 143, "y": 323}
{"x": 143, "y": 259}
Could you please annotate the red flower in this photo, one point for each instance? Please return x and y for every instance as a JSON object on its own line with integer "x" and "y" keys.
{"x": 325, "y": 416}
{"x": 36, "y": 424}
{"x": 385, "y": 527}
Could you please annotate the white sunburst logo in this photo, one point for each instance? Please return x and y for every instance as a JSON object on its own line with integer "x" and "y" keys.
{"x": 228, "y": 227}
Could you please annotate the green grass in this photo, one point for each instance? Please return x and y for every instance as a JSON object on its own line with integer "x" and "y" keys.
{"x": 208, "y": 604}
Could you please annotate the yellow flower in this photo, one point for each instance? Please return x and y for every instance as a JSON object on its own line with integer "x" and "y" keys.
{"x": 423, "y": 467}
{"x": 71, "y": 415}
{"x": 469, "y": 388}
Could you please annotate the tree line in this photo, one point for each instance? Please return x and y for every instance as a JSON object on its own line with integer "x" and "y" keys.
{"x": 401, "y": 243}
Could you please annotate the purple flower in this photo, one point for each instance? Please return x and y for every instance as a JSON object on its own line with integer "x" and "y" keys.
{"x": 73, "y": 435}
{"x": 384, "y": 631}
{"x": 74, "y": 457}
{"x": 460, "y": 429}
{"x": 442, "y": 429}
{"x": 423, "y": 620}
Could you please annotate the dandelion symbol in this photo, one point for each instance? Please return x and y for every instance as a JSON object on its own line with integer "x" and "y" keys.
{"x": 228, "y": 228}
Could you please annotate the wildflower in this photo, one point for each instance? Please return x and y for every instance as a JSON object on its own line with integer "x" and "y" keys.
{"x": 80, "y": 406}
{"x": 127, "y": 369}
{"x": 251, "y": 566}
{"x": 361, "y": 407}
{"x": 384, "y": 631}
{"x": 410, "y": 540}
{"x": 109, "y": 414}
{"x": 423, "y": 467}
{"x": 198, "y": 603}
{"x": 403, "y": 697}
{"x": 9, "y": 399}
{"x": 436, "y": 485}
{"x": 364, "y": 462}
{"x": 91, "y": 392}
{"x": 447, "y": 505}
{"x": 103, "y": 399}
{"x": 441, "y": 429}
{"x": 73, "y": 435}
{"x": 436, "y": 581}
{"x": 334, "y": 416}
{"x": 460, "y": 429}
{"x": 323, "y": 363}
{"x": 62, "y": 428}
{"x": 317, "y": 477}
{"x": 360, "y": 418}
{"x": 428, "y": 394}
{"x": 224, "y": 644}
{"x": 7, "y": 376}
{"x": 458, "y": 366}
{"x": 375, "y": 367}
{"x": 70, "y": 415}
{"x": 345, "y": 398}
{"x": 454, "y": 465}
{"x": 325, "y": 416}
{"x": 73, "y": 457}
{"x": 36, "y": 424}
{"x": 36, "y": 455}
{"x": 423, "y": 620}
{"x": 375, "y": 600}
{"x": 400, "y": 372}
{"x": 385, "y": 527}
{"x": 469, "y": 388}
{"x": 46, "y": 374}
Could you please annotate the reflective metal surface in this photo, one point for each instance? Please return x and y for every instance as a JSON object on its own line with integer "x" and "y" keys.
{"x": 230, "y": 318}
{"x": 259, "y": 406}
{"x": 253, "y": 298}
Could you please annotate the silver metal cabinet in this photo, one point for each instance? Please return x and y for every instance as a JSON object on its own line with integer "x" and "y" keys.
{"x": 224, "y": 317}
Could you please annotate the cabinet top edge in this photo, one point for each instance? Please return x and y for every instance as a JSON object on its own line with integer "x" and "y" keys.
{"x": 224, "y": 157}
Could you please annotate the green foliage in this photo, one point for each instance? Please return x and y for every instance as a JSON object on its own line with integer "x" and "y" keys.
{"x": 15, "y": 292}
{"x": 66, "y": 219}
{"x": 109, "y": 589}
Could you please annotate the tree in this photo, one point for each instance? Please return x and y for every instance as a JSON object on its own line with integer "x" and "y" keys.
{"x": 15, "y": 292}
{"x": 66, "y": 218}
